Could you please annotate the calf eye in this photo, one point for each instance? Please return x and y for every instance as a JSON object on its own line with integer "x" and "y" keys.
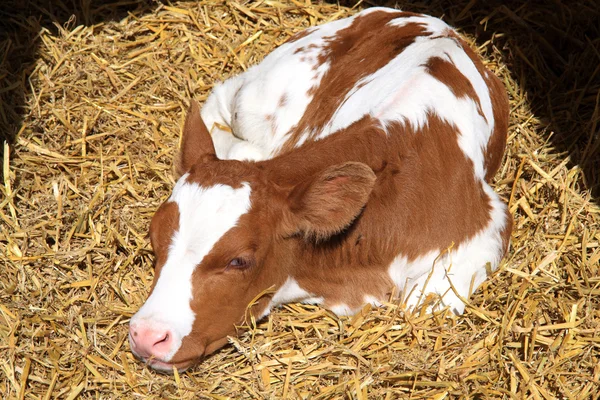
{"x": 238, "y": 263}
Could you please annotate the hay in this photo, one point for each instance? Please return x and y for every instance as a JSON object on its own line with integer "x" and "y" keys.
{"x": 92, "y": 161}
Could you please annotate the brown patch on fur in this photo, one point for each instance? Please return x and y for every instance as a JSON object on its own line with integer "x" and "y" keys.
{"x": 497, "y": 143}
{"x": 226, "y": 172}
{"x": 305, "y": 49}
{"x": 444, "y": 201}
{"x": 506, "y": 233}
{"x": 495, "y": 149}
{"x": 446, "y": 72}
{"x": 272, "y": 121}
{"x": 282, "y": 100}
{"x": 350, "y": 55}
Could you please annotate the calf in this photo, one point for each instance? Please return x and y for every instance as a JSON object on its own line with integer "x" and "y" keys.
{"x": 358, "y": 164}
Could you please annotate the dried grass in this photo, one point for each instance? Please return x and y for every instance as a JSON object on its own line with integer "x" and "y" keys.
{"x": 92, "y": 161}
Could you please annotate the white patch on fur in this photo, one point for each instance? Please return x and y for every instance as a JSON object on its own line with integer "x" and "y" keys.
{"x": 205, "y": 215}
{"x": 246, "y": 151}
{"x": 432, "y": 272}
{"x": 368, "y": 299}
{"x": 291, "y": 292}
{"x": 343, "y": 310}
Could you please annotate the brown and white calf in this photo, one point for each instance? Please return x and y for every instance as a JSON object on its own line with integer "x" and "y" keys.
{"x": 360, "y": 164}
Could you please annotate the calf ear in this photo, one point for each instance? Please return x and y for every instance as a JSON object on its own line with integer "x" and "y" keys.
{"x": 330, "y": 201}
{"x": 196, "y": 143}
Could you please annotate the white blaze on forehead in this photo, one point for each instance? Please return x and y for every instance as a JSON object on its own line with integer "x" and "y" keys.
{"x": 205, "y": 215}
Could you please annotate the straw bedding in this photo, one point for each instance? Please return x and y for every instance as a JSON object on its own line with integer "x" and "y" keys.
{"x": 97, "y": 130}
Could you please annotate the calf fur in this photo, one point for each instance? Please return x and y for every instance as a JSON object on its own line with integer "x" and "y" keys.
{"x": 353, "y": 161}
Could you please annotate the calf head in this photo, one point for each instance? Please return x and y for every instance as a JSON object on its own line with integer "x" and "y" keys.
{"x": 228, "y": 233}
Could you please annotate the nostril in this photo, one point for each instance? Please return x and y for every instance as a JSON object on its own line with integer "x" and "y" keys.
{"x": 162, "y": 343}
{"x": 165, "y": 339}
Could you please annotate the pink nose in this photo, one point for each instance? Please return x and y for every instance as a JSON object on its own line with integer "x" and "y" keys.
{"x": 148, "y": 342}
